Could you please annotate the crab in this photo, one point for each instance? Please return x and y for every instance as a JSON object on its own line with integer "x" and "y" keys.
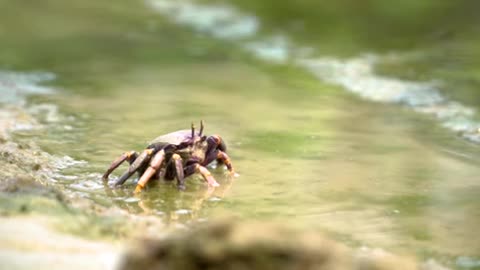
{"x": 177, "y": 155}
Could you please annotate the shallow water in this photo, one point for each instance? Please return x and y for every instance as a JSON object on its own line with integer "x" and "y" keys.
{"x": 371, "y": 169}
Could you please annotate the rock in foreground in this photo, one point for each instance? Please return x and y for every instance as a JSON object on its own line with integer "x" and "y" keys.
{"x": 238, "y": 246}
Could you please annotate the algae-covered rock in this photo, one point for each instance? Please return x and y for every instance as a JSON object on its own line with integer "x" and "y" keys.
{"x": 240, "y": 245}
{"x": 24, "y": 161}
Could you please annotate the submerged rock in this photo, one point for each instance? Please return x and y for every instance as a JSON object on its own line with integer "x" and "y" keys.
{"x": 237, "y": 246}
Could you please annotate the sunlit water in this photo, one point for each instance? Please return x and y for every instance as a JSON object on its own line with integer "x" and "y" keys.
{"x": 363, "y": 165}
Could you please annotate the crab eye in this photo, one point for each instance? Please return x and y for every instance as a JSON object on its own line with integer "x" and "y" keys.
{"x": 203, "y": 138}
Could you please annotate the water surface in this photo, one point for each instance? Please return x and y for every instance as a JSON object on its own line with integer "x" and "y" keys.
{"x": 310, "y": 151}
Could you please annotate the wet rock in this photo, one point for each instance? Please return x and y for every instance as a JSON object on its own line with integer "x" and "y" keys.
{"x": 25, "y": 172}
{"x": 24, "y": 161}
{"x": 237, "y": 246}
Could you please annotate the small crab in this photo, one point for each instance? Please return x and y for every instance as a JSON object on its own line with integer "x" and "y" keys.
{"x": 174, "y": 155}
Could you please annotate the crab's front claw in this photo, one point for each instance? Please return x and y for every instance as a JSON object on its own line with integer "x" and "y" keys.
{"x": 216, "y": 142}
{"x": 222, "y": 157}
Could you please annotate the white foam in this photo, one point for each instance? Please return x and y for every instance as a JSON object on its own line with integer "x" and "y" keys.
{"x": 15, "y": 86}
{"x": 67, "y": 162}
{"x": 467, "y": 262}
{"x": 357, "y": 75}
{"x": 218, "y": 20}
{"x": 48, "y": 111}
{"x": 273, "y": 49}
{"x": 226, "y": 23}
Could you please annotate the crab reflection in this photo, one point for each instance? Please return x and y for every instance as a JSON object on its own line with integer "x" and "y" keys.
{"x": 162, "y": 199}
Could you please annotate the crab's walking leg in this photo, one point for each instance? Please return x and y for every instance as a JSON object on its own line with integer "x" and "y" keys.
{"x": 179, "y": 171}
{"x": 128, "y": 156}
{"x": 161, "y": 173}
{"x": 138, "y": 163}
{"x": 207, "y": 176}
{"x": 155, "y": 164}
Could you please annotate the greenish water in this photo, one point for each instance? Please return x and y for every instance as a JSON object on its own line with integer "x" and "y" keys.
{"x": 308, "y": 152}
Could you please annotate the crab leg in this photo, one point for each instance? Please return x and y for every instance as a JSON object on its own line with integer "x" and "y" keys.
{"x": 155, "y": 164}
{"x": 207, "y": 176}
{"x": 129, "y": 156}
{"x": 179, "y": 169}
{"x": 138, "y": 163}
{"x": 221, "y": 157}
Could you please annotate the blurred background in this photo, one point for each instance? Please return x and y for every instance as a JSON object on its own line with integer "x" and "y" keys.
{"x": 358, "y": 119}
